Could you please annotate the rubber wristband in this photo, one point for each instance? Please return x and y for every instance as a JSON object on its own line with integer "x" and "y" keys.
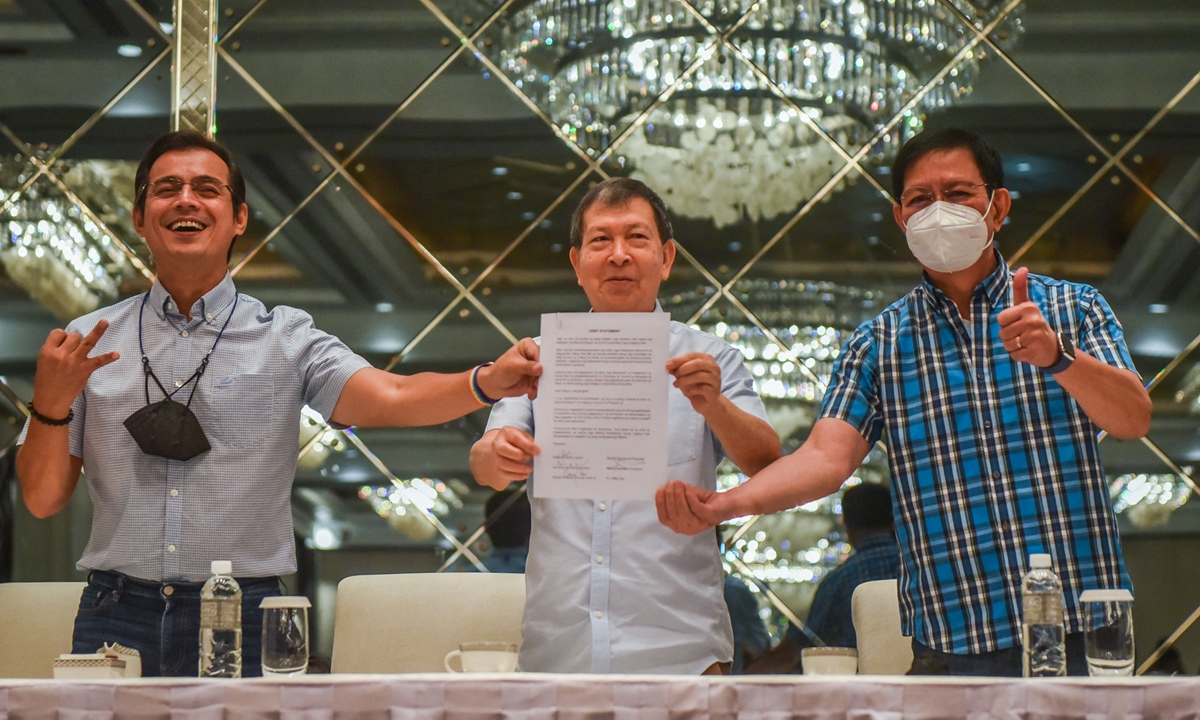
{"x": 51, "y": 421}
{"x": 476, "y": 390}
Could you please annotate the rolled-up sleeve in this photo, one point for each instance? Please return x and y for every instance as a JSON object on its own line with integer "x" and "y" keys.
{"x": 853, "y": 392}
{"x": 737, "y": 383}
{"x": 514, "y": 412}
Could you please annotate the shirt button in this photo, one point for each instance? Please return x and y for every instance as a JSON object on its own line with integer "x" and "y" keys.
{"x": 996, "y": 476}
{"x": 178, "y": 383}
{"x": 174, "y": 493}
{"x": 599, "y": 614}
{"x": 987, "y": 424}
{"x": 603, "y": 507}
{"x": 978, "y": 376}
{"x": 170, "y": 548}
{"x": 168, "y": 591}
{"x": 208, "y": 317}
{"x": 599, "y": 558}
{"x": 184, "y": 333}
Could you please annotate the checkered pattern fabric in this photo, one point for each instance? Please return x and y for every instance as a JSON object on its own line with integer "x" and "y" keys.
{"x": 991, "y": 459}
{"x": 160, "y": 519}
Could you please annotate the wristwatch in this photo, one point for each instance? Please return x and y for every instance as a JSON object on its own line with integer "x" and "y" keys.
{"x": 1066, "y": 350}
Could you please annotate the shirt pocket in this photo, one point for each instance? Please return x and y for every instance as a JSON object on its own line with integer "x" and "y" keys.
{"x": 245, "y": 408}
{"x": 683, "y": 429}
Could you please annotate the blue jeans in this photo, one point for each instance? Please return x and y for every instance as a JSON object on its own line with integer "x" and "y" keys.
{"x": 161, "y": 620}
{"x": 998, "y": 663}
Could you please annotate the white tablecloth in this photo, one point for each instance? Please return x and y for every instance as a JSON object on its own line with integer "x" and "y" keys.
{"x": 582, "y": 697}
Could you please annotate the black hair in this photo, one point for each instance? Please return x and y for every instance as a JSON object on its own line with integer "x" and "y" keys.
{"x": 867, "y": 507}
{"x": 188, "y": 140}
{"x": 986, "y": 157}
{"x": 619, "y": 191}
{"x": 513, "y": 527}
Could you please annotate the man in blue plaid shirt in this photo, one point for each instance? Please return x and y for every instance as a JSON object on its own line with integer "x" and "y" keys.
{"x": 989, "y": 388}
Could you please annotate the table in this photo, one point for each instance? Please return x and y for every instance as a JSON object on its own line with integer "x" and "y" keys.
{"x": 600, "y": 697}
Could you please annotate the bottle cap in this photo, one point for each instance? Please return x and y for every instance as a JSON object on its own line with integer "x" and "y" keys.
{"x": 222, "y": 567}
{"x": 1039, "y": 560}
{"x": 1103, "y": 596}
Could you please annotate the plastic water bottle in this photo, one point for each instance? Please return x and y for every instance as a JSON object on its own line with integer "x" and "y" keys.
{"x": 1043, "y": 635}
{"x": 221, "y": 624}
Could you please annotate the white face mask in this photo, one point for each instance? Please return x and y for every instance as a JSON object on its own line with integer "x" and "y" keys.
{"x": 946, "y": 237}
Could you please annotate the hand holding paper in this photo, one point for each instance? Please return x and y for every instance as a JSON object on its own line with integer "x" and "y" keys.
{"x": 698, "y": 377}
{"x": 601, "y": 416}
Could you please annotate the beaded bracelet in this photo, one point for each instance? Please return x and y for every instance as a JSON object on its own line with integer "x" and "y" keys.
{"x": 51, "y": 421}
{"x": 476, "y": 390}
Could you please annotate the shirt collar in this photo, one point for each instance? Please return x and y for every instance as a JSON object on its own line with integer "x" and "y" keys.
{"x": 208, "y": 308}
{"x": 995, "y": 286}
{"x": 657, "y": 307}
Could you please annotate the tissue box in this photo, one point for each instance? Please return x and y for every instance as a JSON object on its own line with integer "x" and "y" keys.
{"x": 88, "y": 667}
{"x": 110, "y": 661}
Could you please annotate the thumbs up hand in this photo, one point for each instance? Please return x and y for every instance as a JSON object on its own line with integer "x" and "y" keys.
{"x": 1026, "y": 334}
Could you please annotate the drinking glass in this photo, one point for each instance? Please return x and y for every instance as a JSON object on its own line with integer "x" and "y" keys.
{"x": 285, "y": 636}
{"x": 1108, "y": 631}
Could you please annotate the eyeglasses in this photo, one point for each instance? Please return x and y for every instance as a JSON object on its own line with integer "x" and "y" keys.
{"x": 170, "y": 188}
{"x": 959, "y": 193}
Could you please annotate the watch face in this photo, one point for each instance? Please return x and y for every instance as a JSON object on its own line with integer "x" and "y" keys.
{"x": 1065, "y": 344}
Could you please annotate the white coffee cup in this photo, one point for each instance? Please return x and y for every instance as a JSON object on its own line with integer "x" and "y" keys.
{"x": 483, "y": 657}
{"x": 829, "y": 661}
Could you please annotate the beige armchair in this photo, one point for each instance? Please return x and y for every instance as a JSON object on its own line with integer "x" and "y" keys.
{"x": 882, "y": 650}
{"x": 407, "y": 623}
{"x": 38, "y": 619}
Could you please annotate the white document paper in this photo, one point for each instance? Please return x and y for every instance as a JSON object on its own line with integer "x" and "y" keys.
{"x": 601, "y": 413}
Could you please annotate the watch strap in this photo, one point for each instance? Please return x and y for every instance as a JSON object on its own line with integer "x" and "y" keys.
{"x": 1066, "y": 356}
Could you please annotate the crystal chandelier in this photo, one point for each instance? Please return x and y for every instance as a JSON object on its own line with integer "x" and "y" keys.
{"x": 53, "y": 250}
{"x": 725, "y": 145}
{"x": 1148, "y": 499}
{"x": 811, "y": 318}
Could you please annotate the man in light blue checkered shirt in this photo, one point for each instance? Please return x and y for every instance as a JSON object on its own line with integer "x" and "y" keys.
{"x": 158, "y": 523}
{"x": 989, "y": 388}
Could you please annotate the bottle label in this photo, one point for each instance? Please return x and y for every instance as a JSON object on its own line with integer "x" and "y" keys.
{"x": 220, "y": 613}
{"x": 1043, "y": 609}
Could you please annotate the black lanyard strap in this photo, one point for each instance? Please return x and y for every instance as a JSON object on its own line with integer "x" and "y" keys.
{"x": 199, "y": 370}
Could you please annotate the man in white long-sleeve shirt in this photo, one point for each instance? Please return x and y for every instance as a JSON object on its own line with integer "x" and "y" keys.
{"x": 610, "y": 588}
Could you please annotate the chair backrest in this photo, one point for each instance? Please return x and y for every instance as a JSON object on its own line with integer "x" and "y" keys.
{"x": 882, "y": 650}
{"x": 38, "y": 620}
{"x": 407, "y": 623}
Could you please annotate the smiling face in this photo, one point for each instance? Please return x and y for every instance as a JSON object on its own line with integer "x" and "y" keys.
{"x": 192, "y": 229}
{"x": 622, "y": 260}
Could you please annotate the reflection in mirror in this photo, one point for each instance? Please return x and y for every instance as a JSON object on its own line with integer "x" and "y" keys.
{"x": 55, "y": 250}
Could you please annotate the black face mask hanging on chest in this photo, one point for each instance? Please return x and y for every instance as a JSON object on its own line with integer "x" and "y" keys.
{"x": 167, "y": 428}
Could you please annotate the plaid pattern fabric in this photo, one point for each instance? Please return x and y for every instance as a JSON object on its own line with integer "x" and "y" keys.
{"x": 991, "y": 460}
